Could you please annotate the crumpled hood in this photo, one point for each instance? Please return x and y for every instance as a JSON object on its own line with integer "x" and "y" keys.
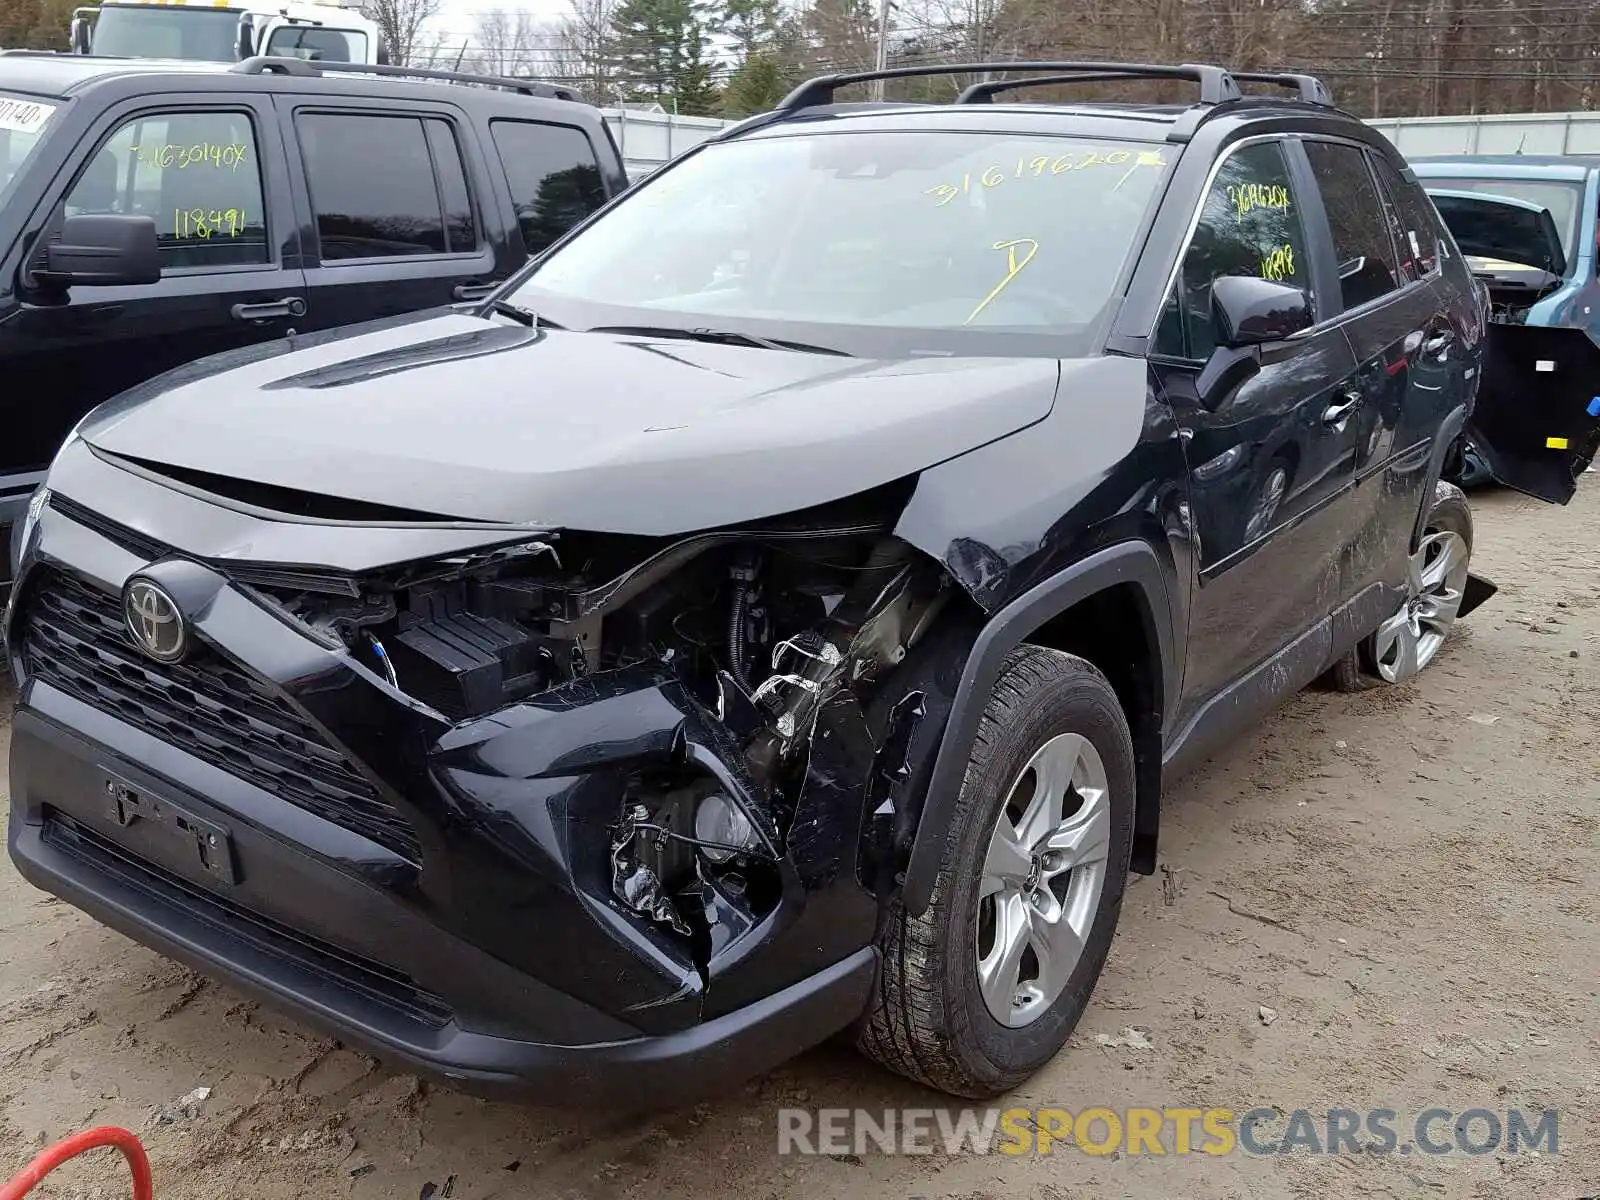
{"x": 472, "y": 419}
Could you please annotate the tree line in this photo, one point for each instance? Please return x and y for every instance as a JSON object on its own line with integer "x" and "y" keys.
{"x": 734, "y": 57}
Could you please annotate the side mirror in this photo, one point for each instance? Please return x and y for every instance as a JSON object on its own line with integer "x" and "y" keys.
{"x": 246, "y": 45}
{"x": 1252, "y": 312}
{"x": 103, "y": 250}
{"x": 79, "y": 32}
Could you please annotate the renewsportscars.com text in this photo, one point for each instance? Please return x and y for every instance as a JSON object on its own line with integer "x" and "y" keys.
{"x": 1257, "y": 1132}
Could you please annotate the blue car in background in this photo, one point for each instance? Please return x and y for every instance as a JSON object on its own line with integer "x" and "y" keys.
{"x": 1527, "y": 225}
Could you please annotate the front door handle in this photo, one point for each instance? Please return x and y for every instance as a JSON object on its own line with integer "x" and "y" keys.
{"x": 1337, "y": 414}
{"x": 474, "y": 291}
{"x": 270, "y": 310}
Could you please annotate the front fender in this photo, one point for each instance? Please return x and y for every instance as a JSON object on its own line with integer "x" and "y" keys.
{"x": 1135, "y": 563}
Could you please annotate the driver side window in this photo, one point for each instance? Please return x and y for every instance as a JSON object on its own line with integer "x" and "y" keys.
{"x": 1250, "y": 225}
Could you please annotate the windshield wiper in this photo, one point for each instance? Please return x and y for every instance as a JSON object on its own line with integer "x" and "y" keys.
{"x": 523, "y": 316}
{"x": 723, "y": 337}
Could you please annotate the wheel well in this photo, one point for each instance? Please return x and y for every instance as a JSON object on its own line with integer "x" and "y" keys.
{"x": 1114, "y": 630}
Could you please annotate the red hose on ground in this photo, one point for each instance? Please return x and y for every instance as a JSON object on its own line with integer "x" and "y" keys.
{"x": 107, "y": 1135}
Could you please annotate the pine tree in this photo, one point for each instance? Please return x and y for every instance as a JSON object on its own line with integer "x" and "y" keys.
{"x": 752, "y": 25}
{"x": 757, "y": 86}
{"x": 658, "y": 49}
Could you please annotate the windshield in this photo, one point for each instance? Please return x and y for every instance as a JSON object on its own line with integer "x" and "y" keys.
{"x": 167, "y": 31}
{"x": 875, "y": 243}
{"x": 22, "y": 122}
{"x": 1564, "y": 200}
{"x": 315, "y": 42}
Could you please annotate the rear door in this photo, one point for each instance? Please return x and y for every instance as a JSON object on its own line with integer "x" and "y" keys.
{"x": 383, "y": 192}
{"x": 1393, "y": 317}
{"x": 210, "y": 172}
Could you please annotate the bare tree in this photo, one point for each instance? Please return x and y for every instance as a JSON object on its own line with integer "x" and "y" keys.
{"x": 400, "y": 23}
{"x": 586, "y": 41}
{"x": 517, "y": 43}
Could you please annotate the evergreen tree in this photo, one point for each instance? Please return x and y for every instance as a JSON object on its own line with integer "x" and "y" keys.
{"x": 752, "y": 25}
{"x": 658, "y": 47}
{"x": 757, "y": 86}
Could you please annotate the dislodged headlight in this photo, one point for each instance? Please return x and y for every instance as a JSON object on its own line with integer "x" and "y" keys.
{"x": 722, "y": 829}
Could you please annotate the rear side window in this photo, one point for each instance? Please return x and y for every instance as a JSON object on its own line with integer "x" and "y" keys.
{"x": 1250, "y": 225}
{"x": 1416, "y": 223}
{"x": 385, "y": 187}
{"x": 1361, "y": 242}
{"x": 554, "y": 178}
{"x": 196, "y": 173}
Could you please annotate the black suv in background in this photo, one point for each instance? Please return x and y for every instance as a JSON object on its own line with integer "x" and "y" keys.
{"x": 153, "y": 213}
{"x": 777, "y": 611}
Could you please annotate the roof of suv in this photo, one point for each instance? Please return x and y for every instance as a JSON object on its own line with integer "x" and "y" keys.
{"x": 61, "y": 75}
{"x": 1221, "y": 95}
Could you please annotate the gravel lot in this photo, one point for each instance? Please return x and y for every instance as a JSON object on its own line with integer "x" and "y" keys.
{"x": 1406, "y": 878}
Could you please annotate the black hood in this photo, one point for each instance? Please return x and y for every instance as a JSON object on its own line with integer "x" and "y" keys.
{"x": 1502, "y": 228}
{"x": 469, "y": 419}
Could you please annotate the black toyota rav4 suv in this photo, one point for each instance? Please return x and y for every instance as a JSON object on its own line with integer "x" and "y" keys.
{"x": 778, "y": 611}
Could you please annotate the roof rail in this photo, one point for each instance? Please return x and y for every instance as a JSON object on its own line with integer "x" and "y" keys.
{"x": 311, "y": 68}
{"x": 1216, "y": 85}
{"x": 985, "y": 91}
{"x": 1312, "y": 90}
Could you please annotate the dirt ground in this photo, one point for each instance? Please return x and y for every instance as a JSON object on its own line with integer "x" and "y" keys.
{"x": 1407, "y": 878}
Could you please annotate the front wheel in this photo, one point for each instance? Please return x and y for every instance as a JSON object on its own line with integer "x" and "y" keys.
{"x": 984, "y": 988}
{"x": 1411, "y": 637}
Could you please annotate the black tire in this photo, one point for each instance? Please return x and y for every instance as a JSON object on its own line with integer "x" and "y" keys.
{"x": 1355, "y": 671}
{"x": 930, "y": 1022}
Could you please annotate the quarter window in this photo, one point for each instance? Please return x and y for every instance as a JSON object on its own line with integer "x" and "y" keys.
{"x": 1416, "y": 223}
{"x": 1251, "y": 226}
{"x": 553, "y": 175}
{"x": 386, "y": 187}
{"x": 196, "y": 174}
{"x": 1356, "y": 219}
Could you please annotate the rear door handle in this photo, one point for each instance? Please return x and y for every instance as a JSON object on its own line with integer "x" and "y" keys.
{"x": 1338, "y": 414}
{"x": 474, "y": 291}
{"x": 269, "y": 310}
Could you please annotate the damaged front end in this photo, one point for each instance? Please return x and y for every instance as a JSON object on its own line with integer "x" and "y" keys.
{"x": 706, "y": 744}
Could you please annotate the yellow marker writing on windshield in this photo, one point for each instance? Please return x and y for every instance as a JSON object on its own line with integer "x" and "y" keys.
{"x": 1013, "y": 269}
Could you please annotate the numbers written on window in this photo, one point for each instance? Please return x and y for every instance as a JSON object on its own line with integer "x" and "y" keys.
{"x": 1250, "y": 225}
{"x": 195, "y": 173}
{"x": 386, "y": 187}
{"x": 1360, "y": 228}
{"x": 554, "y": 178}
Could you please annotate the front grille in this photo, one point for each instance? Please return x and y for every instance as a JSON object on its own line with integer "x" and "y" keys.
{"x": 373, "y": 980}
{"x": 73, "y": 637}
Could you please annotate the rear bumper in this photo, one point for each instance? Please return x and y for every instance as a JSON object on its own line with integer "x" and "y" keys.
{"x": 435, "y": 1004}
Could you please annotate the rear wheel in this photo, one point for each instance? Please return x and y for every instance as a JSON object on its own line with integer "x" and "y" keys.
{"x": 1410, "y": 638}
{"x": 984, "y": 988}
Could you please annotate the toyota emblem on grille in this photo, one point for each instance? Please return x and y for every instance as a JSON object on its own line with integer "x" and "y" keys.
{"x": 153, "y": 618}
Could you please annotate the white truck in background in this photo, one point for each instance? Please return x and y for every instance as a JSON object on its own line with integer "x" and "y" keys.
{"x": 225, "y": 31}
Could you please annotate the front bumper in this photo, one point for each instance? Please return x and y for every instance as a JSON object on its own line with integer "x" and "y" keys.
{"x": 466, "y": 930}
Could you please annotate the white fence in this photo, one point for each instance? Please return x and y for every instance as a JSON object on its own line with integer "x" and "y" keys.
{"x": 648, "y": 138}
{"x": 1514, "y": 133}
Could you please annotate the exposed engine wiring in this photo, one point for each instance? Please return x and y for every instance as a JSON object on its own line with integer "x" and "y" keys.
{"x": 383, "y": 657}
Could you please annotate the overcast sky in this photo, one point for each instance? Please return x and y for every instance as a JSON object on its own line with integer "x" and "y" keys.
{"x": 458, "y": 18}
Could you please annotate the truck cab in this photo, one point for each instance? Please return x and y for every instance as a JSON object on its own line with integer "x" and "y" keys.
{"x": 202, "y": 31}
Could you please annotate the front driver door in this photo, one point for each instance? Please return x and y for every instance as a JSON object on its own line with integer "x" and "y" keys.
{"x": 211, "y": 175}
{"x": 1271, "y": 463}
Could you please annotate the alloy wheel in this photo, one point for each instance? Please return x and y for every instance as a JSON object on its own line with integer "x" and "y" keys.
{"x": 1409, "y": 640}
{"x": 1042, "y": 879}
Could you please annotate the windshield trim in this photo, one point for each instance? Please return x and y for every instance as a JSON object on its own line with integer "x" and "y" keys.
{"x": 945, "y": 342}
